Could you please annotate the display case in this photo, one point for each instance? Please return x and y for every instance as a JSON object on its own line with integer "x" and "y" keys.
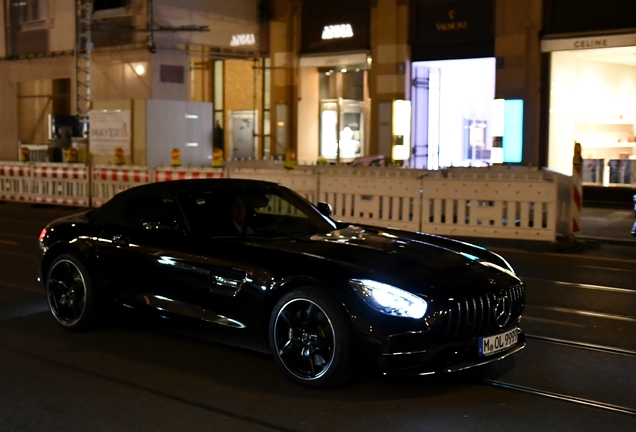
{"x": 608, "y": 149}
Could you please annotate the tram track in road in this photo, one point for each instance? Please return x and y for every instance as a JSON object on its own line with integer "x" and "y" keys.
{"x": 577, "y": 258}
{"x": 583, "y": 345}
{"x": 607, "y": 269}
{"x": 581, "y": 285}
{"x": 559, "y": 396}
{"x": 581, "y": 312}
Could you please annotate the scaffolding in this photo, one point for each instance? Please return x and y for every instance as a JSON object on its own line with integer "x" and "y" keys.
{"x": 83, "y": 48}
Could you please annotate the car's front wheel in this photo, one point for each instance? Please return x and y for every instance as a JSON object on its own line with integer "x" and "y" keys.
{"x": 70, "y": 294}
{"x": 310, "y": 338}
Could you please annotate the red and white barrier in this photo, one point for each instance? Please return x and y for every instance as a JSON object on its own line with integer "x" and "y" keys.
{"x": 55, "y": 183}
{"x": 109, "y": 181}
{"x": 14, "y": 181}
{"x": 168, "y": 174}
{"x": 497, "y": 205}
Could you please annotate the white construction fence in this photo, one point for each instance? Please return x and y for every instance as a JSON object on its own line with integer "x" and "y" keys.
{"x": 494, "y": 202}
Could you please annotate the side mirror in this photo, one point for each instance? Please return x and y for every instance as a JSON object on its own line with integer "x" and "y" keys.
{"x": 325, "y": 208}
{"x": 161, "y": 224}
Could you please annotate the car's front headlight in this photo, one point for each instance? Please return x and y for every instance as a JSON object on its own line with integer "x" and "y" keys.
{"x": 389, "y": 299}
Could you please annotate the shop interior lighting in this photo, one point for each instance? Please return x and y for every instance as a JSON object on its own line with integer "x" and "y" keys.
{"x": 507, "y": 124}
{"x": 401, "y": 129}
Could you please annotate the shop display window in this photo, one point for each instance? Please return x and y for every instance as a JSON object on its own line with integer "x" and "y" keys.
{"x": 452, "y": 113}
{"x": 593, "y": 102}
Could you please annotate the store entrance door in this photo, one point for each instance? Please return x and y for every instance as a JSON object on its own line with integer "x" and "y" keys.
{"x": 242, "y": 140}
{"x": 341, "y": 129}
{"x": 342, "y": 115}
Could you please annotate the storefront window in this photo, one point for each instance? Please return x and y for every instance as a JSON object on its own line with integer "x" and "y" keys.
{"x": 452, "y": 113}
{"x": 341, "y": 114}
{"x": 593, "y": 102}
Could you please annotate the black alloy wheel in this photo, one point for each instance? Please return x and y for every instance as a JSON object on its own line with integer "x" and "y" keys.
{"x": 309, "y": 338}
{"x": 70, "y": 294}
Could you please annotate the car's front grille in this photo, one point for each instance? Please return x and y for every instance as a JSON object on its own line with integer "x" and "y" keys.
{"x": 485, "y": 313}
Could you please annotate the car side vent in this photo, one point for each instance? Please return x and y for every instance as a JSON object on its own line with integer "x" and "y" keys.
{"x": 485, "y": 313}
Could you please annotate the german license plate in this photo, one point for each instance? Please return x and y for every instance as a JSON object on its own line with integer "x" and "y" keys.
{"x": 492, "y": 344}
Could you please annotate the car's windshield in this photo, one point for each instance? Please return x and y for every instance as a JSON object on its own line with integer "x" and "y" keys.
{"x": 252, "y": 211}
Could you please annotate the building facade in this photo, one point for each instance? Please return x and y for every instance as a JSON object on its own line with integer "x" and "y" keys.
{"x": 428, "y": 83}
{"x": 344, "y": 70}
{"x": 198, "y": 52}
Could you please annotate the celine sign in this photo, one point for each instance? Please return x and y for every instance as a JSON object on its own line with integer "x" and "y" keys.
{"x": 243, "y": 39}
{"x": 550, "y": 45}
{"x": 337, "y": 31}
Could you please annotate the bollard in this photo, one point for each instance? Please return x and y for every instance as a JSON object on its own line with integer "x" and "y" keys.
{"x": 577, "y": 188}
{"x": 634, "y": 226}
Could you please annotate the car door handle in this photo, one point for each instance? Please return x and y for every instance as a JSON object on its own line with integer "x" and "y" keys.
{"x": 226, "y": 283}
{"x": 120, "y": 240}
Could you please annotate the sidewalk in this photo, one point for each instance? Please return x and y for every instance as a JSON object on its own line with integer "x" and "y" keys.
{"x": 607, "y": 225}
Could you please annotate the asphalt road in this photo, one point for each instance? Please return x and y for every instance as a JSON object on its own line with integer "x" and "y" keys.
{"x": 577, "y": 373}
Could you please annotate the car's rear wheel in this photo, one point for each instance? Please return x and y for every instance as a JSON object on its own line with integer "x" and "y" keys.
{"x": 70, "y": 294}
{"x": 310, "y": 338}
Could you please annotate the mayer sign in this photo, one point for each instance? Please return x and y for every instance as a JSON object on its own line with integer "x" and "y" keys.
{"x": 109, "y": 130}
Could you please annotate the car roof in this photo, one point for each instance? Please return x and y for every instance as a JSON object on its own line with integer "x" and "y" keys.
{"x": 179, "y": 187}
{"x": 112, "y": 210}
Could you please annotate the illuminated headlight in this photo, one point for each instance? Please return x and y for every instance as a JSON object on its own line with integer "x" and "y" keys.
{"x": 389, "y": 299}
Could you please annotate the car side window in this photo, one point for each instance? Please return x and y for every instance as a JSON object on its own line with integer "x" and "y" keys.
{"x": 214, "y": 215}
{"x": 138, "y": 212}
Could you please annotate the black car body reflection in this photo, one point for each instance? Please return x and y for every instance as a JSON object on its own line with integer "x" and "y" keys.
{"x": 255, "y": 265}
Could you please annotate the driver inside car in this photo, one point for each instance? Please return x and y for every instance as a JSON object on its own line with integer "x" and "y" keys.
{"x": 238, "y": 213}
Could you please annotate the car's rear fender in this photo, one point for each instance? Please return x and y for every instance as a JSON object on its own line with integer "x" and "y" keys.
{"x": 79, "y": 249}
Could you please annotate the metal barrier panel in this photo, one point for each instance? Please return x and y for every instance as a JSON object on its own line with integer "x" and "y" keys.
{"x": 180, "y": 173}
{"x": 14, "y": 181}
{"x": 519, "y": 203}
{"x": 109, "y": 181}
{"x": 490, "y": 208}
{"x": 495, "y": 172}
{"x": 375, "y": 198}
{"x": 304, "y": 182}
{"x": 56, "y": 183}
{"x": 564, "y": 201}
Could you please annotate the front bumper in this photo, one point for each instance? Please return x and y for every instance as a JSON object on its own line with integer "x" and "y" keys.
{"x": 440, "y": 357}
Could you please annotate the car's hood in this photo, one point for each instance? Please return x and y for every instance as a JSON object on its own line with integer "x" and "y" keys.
{"x": 402, "y": 258}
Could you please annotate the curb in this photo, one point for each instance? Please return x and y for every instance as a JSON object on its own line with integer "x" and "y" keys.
{"x": 612, "y": 241}
{"x": 562, "y": 245}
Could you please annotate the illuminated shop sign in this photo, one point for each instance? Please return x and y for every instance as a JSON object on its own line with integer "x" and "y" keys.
{"x": 549, "y": 45}
{"x": 337, "y": 31}
{"x": 451, "y": 24}
{"x": 243, "y": 40}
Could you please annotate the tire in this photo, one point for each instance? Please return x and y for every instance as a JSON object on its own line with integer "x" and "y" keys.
{"x": 310, "y": 338}
{"x": 70, "y": 294}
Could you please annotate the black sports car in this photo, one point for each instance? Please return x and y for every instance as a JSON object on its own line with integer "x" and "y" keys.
{"x": 254, "y": 264}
